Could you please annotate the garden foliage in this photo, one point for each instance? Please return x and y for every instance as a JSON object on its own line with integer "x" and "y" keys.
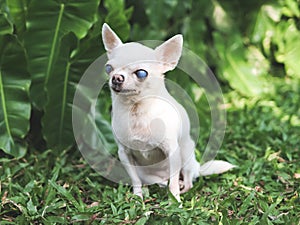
{"x": 45, "y": 47}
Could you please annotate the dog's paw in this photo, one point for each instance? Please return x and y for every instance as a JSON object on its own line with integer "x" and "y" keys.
{"x": 138, "y": 192}
{"x": 185, "y": 189}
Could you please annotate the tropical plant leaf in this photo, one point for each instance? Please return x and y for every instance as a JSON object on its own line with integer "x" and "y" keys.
{"x": 6, "y": 26}
{"x": 48, "y": 22}
{"x": 263, "y": 27}
{"x": 89, "y": 49}
{"x": 18, "y": 13}
{"x": 68, "y": 68}
{"x": 193, "y": 33}
{"x": 67, "y": 71}
{"x": 292, "y": 55}
{"x": 291, "y": 8}
{"x": 118, "y": 17}
{"x": 240, "y": 74}
{"x": 234, "y": 66}
{"x": 57, "y": 120}
{"x": 288, "y": 47}
{"x": 14, "y": 90}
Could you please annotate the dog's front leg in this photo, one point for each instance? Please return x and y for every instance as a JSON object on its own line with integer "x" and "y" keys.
{"x": 128, "y": 163}
{"x": 173, "y": 152}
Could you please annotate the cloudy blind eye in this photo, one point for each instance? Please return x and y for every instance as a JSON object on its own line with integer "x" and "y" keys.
{"x": 141, "y": 74}
{"x": 108, "y": 68}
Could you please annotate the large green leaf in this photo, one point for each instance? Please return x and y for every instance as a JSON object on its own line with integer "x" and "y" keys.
{"x": 47, "y": 22}
{"x": 264, "y": 24}
{"x": 163, "y": 10}
{"x": 118, "y": 17}
{"x": 88, "y": 51}
{"x": 57, "y": 120}
{"x": 68, "y": 68}
{"x": 288, "y": 43}
{"x": 6, "y": 26}
{"x": 17, "y": 9}
{"x": 292, "y": 54}
{"x": 14, "y": 90}
{"x": 242, "y": 74}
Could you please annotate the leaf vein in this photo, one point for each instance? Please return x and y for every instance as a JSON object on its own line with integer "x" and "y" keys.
{"x": 4, "y": 106}
{"x": 54, "y": 43}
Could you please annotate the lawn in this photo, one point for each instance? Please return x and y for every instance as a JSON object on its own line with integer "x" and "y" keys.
{"x": 262, "y": 139}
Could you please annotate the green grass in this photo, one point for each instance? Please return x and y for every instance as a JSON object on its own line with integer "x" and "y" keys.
{"x": 262, "y": 138}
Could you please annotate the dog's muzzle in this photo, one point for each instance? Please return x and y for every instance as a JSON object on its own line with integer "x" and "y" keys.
{"x": 117, "y": 80}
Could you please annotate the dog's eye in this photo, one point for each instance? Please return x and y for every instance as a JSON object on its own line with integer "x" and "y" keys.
{"x": 108, "y": 68}
{"x": 141, "y": 74}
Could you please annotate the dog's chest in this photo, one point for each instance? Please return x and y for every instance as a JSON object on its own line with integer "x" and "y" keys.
{"x": 138, "y": 127}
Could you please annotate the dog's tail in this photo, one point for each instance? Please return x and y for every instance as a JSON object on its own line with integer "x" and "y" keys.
{"x": 214, "y": 167}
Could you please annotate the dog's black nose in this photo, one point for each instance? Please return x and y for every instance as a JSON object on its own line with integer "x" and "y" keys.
{"x": 117, "y": 79}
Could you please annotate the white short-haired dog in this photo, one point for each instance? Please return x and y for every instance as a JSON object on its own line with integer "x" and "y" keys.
{"x": 151, "y": 128}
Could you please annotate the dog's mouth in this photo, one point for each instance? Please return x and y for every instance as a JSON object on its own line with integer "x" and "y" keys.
{"x": 123, "y": 91}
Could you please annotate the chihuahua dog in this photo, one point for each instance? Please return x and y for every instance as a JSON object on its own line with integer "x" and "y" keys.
{"x": 151, "y": 129}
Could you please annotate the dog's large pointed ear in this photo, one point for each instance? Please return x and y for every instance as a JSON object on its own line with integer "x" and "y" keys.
{"x": 169, "y": 52}
{"x": 110, "y": 39}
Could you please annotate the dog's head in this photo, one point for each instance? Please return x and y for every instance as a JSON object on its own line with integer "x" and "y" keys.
{"x": 134, "y": 68}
